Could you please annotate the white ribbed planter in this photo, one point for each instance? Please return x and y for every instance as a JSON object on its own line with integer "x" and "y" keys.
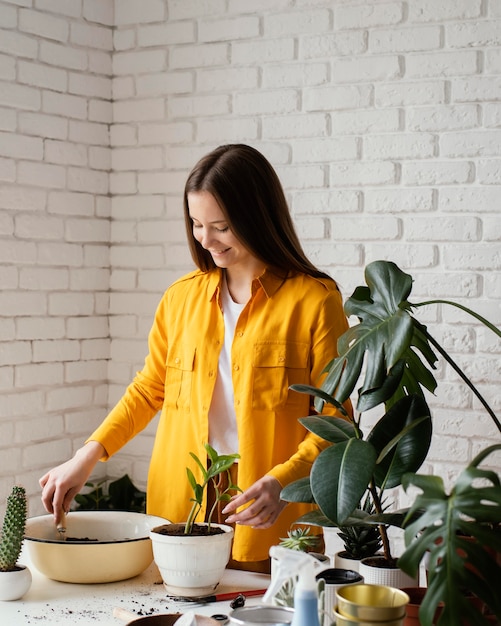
{"x": 192, "y": 565}
{"x": 343, "y": 561}
{"x": 13, "y": 585}
{"x": 388, "y": 576}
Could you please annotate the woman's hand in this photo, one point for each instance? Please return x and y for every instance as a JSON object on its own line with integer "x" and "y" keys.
{"x": 62, "y": 483}
{"x": 265, "y": 507}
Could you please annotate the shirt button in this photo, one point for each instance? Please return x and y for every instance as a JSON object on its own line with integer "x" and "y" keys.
{"x": 240, "y": 334}
{"x": 236, "y": 368}
{"x": 211, "y": 374}
{"x": 177, "y": 360}
{"x": 281, "y": 359}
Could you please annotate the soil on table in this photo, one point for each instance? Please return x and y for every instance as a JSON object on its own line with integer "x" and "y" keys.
{"x": 199, "y": 530}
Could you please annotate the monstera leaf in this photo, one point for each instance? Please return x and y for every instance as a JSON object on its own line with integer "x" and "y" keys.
{"x": 459, "y": 529}
{"x": 383, "y": 343}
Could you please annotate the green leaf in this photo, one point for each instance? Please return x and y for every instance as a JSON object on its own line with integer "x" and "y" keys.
{"x": 339, "y": 477}
{"x": 298, "y": 491}
{"x": 333, "y": 429}
{"x": 319, "y": 393}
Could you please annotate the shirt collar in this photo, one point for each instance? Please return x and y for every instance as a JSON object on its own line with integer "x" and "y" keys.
{"x": 268, "y": 281}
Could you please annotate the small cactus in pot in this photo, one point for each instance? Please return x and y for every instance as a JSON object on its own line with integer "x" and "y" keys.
{"x": 15, "y": 578}
{"x": 13, "y": 527}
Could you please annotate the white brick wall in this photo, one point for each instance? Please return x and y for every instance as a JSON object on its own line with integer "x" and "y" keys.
{"x": 383, "y": 119}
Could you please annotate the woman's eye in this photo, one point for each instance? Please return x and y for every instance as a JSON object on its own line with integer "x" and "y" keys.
{"x": 222, "y": 230}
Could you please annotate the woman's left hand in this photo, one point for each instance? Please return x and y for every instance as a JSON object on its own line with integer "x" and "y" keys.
{"x": 265, "y": 507}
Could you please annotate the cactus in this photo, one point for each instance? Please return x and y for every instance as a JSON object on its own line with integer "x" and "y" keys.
{"x": 14, "y": 524}
{"x": 300, "y": 539}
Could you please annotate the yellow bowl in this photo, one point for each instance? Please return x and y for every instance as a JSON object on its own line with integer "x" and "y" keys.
{"x": 371, "y": 603}
{"x": 101, "y": 546}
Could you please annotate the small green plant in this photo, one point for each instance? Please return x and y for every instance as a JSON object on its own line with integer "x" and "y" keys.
{"x": 301, "y": 539}
{"x": 119, "y": 495}
{"x": 14, "y": 524}
{"x": 363, "y": 540}
{"x": 218, "y": 465}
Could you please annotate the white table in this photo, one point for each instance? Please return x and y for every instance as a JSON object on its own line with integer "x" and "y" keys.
{"x": 52, "y": 602}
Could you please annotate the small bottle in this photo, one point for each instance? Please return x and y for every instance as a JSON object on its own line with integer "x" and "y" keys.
{"x": 306, "y": 598}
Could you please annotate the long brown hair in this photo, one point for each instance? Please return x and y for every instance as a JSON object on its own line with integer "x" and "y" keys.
{"x": 253, "y": 202}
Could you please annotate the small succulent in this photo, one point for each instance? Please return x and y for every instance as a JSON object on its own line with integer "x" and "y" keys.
{"x": 363, "y": 540}
{"x": 300, "y": 539}
{"x": 14, "y": 523}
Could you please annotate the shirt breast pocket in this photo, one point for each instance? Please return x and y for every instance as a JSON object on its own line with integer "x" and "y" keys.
{"x": 179, "y": 376}
{"x": 275, "y": 367}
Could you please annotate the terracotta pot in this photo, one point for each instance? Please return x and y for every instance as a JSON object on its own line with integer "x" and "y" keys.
{"x": 416, "y": 595}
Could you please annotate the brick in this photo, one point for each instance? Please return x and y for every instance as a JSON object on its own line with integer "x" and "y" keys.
{"x": 7, "y": 67}
{"x": 163, "y": 83}
{"x": 279, "y": 101}
{"x": 291, "y": 126}
{"x": 372, "y": 68}
{"x": 100, "y": 111}
{"x": 123, "y": 182}
{"x": 18, "y": 45}
{"x": 488, "y": 172}
{"x": 68, "y": 203}
{"x": 231, "y": 130}
{"x": 336, "y": 98}
{"x": 130, "y": 12}
{"x": 430, "y": 11}
{"x": 180, "y": 10}
{"x": 475, "y": 89}
{"x": 85, "y": 371}
{"x": 47, "y": 126}
{"x": 68, "y": 398}
{"x": 100, "y": 62}
{"x": 195, "y": 106}
{"x": 93, "y": 328}
{"x": 295, "y": 74}
{"x": 447, "y": 228}
{"x": 492, "y": 114}
{"x": 12, "y": 354}
{"x": 41, "y": 174}
{"x": 366, "y": 173}
{"x": 98, "y": 11}
{"x": 455, "y": 63}
{"x": 301, "y": 176}
{"x": 100, "y": 158}
{"x": 19, "y": 96}
{"x": 492, "y": 61}
{"x": 60, "y": 7}
{"x": 365, "y": 121}
{"x": 40, "y": 375}
{"x": 18, "y": 198}
{"x": 228, "y": 79}
{"x": 43, "y": 25}
{"x": 148, "y": 109}
{"x": 87, "y": 230}
{"x": 368, "y": 16}
{"x": 200, "y": 55}
{"x": 8, "y": 119}
{"x": 7, "y": 170}
{"x": 165, "y": 34}
{"x": 40, "y": 328}
{"x": 230, "y": 28}
{"x": 417, "y": 256}
{"x": 129, "y": 207}
{"x": 132, "y": 256}
{"x": 481, "y": 258}
{"x": 93, "y": 181}
{"x": 177, "y": 157}
{"x": 38, "y": 226}
{"x": 94, "y": 86}
{"x": 65, "y": 152}
{"x": 8, "y": 16}
{"x": 60, "y": 254}
{"x": 405, "y": 39}
{"x": 326, "y": 201}
{"x": 97, "y": 256}
{"x": 327, "y": 255}
{"x": 410, "y": 93}
{"x": 89, "y": 133}
{"x": 325, "y": 149}
{"x": 91, "y": 36}
{"x": 473, "y": 34}
{"x": 471, "y": 144}
{"x": 41, "y": 278}
{"x": 63, "y": 55}
{"x": 332, "y": 45}
{"x": 443, "y": 118}
{"x": 65, "y": 105}
{"x": 437, "y": 172}
{"x": 168, "y": 133}
{"x": 20, "y": 146}
{"x": 93, "y": 349}
{"x": 23, "y": 303}
{"x": 125, "y": 39}
{"x": 139, "y": 61}
{"x": 283, "y": 24}
{"x": 137, "y": 158}
{"x": 91, "y": 279}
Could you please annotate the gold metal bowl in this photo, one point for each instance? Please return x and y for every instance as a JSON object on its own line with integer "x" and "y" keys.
{"x": 371, "y": 603}
{"x": 342, "y": 620}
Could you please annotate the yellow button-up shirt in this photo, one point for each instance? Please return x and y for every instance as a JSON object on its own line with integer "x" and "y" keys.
{"x": 286, "y": 334}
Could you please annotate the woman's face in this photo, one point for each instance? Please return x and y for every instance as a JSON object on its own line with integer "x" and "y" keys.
{"x": 212, "y": 231}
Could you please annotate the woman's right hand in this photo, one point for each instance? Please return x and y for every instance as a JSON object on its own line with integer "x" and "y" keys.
{"x": 62, "y": 483}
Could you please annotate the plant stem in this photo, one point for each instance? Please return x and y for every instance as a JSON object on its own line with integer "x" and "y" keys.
{"x": 382, "y": 528}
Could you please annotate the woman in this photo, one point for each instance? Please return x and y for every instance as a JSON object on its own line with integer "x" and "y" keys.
{"x": 227, "y": 342}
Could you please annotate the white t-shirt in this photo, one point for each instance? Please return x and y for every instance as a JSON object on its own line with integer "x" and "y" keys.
{"x": 223, "y": 436}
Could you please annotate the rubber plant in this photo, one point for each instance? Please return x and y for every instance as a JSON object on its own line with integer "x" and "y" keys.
{"x": 387, "y": 360}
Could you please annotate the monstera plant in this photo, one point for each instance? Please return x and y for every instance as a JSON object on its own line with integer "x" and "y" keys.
{"x": 387, "y": 361}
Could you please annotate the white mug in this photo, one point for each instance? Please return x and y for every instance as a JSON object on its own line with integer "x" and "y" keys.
{"x": 328, "y": 582}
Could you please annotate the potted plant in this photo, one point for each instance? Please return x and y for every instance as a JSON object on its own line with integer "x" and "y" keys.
{"x": 117, "y": 495}
{"x": 390, "y": 356}
{"x": 15, "y": 578}
{"x": 192, "y": 556}
{"x": 359, "y": 542}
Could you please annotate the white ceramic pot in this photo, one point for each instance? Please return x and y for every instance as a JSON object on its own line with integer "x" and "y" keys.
{"x": 387, "y": 576}
{"x": 343, "y": 561}
{"x": 13, "y": 585}
{"x": 192, "y": 565}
